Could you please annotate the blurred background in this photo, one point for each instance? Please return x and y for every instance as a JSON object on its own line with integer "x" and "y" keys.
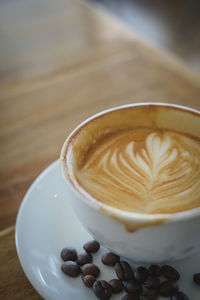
{"x": 28, "y": 28}
{"x": 172, "y": 26}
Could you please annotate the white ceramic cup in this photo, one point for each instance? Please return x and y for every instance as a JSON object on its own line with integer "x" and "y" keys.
{"x": 140, "y": 237}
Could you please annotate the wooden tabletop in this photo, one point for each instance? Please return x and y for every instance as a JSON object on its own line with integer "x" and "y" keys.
{"x": 60, "y": 62}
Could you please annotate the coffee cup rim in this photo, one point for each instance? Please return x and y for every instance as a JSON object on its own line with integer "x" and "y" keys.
{"x": 109, "y": 210}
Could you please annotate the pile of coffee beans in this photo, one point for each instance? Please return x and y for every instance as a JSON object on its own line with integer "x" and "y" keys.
{"x": 139, "y": 284}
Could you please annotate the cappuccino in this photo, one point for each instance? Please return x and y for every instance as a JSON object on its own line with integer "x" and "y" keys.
{"x": 136, "y": 168}
{"x": 143, "y": 170}
{"x": 143, "y": 159}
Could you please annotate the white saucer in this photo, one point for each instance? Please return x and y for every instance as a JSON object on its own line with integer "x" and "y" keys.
{"x": 46, "y": 224}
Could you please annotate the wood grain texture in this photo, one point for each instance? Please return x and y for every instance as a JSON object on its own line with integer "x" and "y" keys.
{"x": 13, "y": 284}
{"x": 63, "y": 66}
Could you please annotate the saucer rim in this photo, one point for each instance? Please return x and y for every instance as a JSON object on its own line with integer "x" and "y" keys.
{"x": 19, "y": 219}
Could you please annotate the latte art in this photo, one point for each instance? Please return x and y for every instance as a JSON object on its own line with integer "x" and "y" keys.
{"x": 144, "y": 170}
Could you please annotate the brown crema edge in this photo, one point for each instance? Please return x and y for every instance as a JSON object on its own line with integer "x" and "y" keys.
{"x": 133, "y": 227}
{"x": 143, "y": 110}
{"x": 105, "y": 136}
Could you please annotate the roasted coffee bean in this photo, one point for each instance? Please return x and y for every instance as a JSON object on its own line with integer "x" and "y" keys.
{"x": 69, "y": 253}
{"x": 141, "y": 274}
{"x": 123, "y": 271}
{"x": 168, "y": 288}
{"x": 102, "y": 289}
{"x": 133, "y": 287}
{"x": 91, "y": 246}
{"x": 130, "y": 297}
{"x": 179, "y": 296}
{"x": 196, "y": 278}
{"x": 117, "y": 285}
{"x": 90, "y": 269}
{"x": 88, "y": 280}
{"x": 170, "y": 273}
{"x": 110, "y": 259}
{"x": 71, "y": 268}
{"x": 154, "y": 270}
{"x": 152, "y": 283}
{"x": 149, "y": 295}
{"x": 84, "y": 258}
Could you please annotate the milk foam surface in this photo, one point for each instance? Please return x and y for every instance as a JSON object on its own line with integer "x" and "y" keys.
{"x": 144, "y": 170}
